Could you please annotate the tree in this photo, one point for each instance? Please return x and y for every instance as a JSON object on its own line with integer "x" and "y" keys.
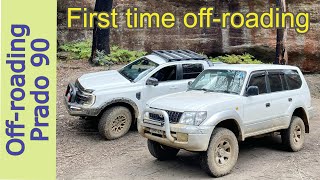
{"x": 101, "y": 36}
{"x": 281, "y": 51}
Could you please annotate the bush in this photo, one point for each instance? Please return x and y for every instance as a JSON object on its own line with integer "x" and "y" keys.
{"x": 237, "y": 59}
{"x": 82, "y": 50}
{"x": 78, "y": 50}
{"x": 118, "y": 56}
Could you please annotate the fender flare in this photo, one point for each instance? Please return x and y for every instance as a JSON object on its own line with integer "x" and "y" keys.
{"x": 305, "y": 120}
{"x": 121, "y": 100}
{"x": 226, "y": 115}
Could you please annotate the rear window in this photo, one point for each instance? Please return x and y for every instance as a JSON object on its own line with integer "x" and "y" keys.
{"x": 293, "y": 79}
{"x": 191, "y": 71}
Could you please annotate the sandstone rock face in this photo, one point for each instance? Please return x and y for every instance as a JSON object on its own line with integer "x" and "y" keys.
{"x": 304, "y": 50}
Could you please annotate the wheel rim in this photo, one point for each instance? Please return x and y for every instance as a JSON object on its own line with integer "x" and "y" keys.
{"x": 297, "y": 134}
{"x": 118, "y": 124}
{"x": 223, "y": 152}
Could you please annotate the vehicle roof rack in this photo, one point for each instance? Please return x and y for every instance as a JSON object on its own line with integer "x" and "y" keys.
{"x": 179, "y": 55}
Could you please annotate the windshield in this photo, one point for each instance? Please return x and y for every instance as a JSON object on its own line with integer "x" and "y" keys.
{"x": 225, "y": 81}
{"x": 138, "y": 69}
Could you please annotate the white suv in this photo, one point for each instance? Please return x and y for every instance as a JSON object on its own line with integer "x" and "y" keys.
{"x": 117, "y": 97}
{"x": 228, "y": 103}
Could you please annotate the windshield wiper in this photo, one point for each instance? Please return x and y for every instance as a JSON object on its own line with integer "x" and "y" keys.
{"x": 202, "y": 89}
{"x": 206, "y": 90}
{"x": 226, "y": 91}
{"x": 126, "y": 76}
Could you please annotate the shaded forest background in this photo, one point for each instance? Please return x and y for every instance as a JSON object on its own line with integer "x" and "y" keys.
{"x": 303, "y": 50}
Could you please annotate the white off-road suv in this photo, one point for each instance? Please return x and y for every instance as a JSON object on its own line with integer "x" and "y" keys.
{"x": 225, "y": 104}
{"x": 117, "y": 97}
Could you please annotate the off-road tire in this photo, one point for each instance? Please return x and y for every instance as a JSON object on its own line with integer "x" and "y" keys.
{"x": 222, "y": 153}
{"x": 115, "y": 122}
{"x": 293, "y": 137}
{"x": 161, "y": 152}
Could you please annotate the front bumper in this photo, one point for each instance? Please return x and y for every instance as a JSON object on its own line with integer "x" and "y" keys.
{"x": 75, "y": 109}
{"x": 188, "y": 137}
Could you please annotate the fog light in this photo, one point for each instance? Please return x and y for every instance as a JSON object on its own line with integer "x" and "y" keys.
{"x": 182, "y": 137}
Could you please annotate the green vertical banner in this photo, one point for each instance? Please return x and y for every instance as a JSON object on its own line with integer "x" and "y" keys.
{"x": 28, "y": 89}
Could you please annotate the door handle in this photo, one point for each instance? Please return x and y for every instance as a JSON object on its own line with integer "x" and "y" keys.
{"x": 173, "y": 87}
{"x": 267, "y": 105}
{"x": 290, "y": 99}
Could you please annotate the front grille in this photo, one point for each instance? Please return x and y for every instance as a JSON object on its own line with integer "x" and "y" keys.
{"x": 174, "y": 116}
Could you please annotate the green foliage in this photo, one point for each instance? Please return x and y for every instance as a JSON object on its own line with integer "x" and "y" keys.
{"x": 78, "y": 50}
{"x": 82, "y": 50}
{"x": 123, "y": 55}
{"x": 118, "y": 56}
{"x": 237, "y": 59}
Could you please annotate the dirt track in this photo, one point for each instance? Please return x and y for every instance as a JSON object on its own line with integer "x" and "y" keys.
{"x": 83, "y": 154}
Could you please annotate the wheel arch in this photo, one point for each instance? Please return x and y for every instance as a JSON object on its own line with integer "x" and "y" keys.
{"x": 131, "y": 105}
{"x": 233, "y": 126}
{"x": 301, "y": 113}
{"x": 229, "y": 119}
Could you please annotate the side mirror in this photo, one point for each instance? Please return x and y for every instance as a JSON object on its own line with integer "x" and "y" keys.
{"x": 252, "y": 91}
{"x": 152, "y": 81}
{"x": 189, "y": 83}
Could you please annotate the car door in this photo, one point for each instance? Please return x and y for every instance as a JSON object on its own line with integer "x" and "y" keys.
{"x": 168, "y": 83}
{"x": 280, "y": 98}
{"x": 257, "y": 112}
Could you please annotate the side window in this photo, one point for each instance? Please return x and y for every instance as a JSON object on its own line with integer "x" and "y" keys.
{"x": 191, "y": 71}
{"x": 284, "y": 82}
{"x": 168, "y": 73}
{"x": 260, "y": 81}
{"x": 275, "y": 82}
{"x": 293, "y": 79}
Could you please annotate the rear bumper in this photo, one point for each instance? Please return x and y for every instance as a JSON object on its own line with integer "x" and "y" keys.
{"x": 180, "y": 136}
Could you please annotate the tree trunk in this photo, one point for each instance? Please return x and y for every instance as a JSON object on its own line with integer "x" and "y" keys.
{"x": 281, "y": 51}
{"x": 101, "y": 37}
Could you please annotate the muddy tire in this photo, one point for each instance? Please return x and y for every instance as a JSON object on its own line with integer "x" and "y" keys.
{"x": 115, "y": 122}
{"x": 161, "y": 152}
{"x": 222, "y": 153}
{"x": 293, "y": 137}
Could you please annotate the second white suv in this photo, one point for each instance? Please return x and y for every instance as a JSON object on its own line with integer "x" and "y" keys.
{"x": 225, "y": 104}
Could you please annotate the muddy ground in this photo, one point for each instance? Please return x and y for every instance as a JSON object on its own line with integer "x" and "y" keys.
{"x": 83, "y": 154}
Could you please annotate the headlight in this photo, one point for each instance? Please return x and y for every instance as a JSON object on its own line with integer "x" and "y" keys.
{"x": 146, "y": 115}
{"x": 89, "y": 100}
{"x": 193, "y": 117}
